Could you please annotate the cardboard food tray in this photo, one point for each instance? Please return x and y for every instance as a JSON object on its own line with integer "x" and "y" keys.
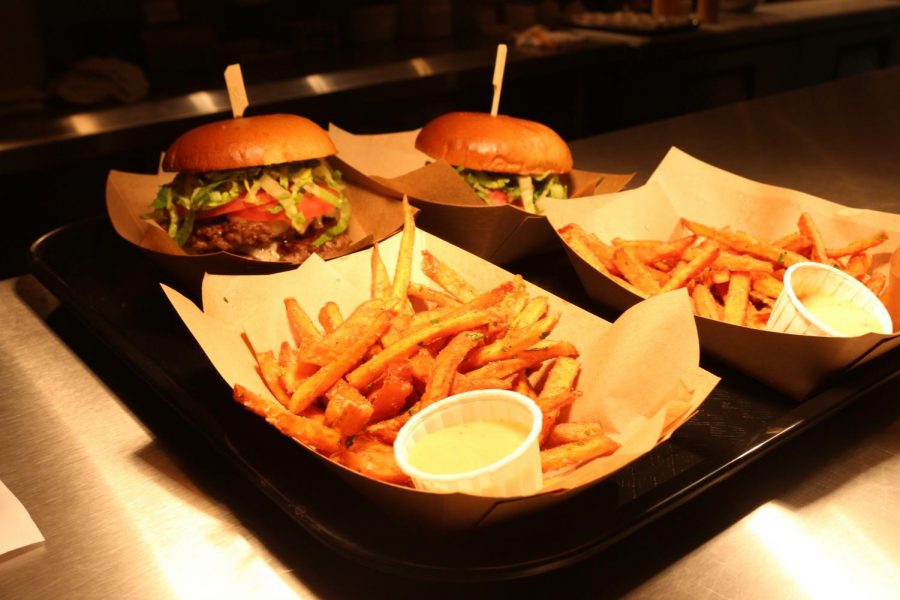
{"x": 633, "y": 406}
{"x": 111, "y": 288}
{"x": 389, "y": 163}
{"x": 374, "y": 216}
{"x": 683, "y": 186}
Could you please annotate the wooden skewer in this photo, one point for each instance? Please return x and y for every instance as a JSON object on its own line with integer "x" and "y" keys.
{"x": 499, "y": 67}
{"x": 237, "y": 94}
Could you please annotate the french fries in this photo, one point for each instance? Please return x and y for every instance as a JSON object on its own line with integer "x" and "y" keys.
{"x": 731, "y": 276}
{"x": 346, "y": 385}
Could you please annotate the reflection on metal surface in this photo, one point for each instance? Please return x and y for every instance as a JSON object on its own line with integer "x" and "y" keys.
{"x": 421, "y": 67}
{"x": 203, "y": 102}
{"x": 318, "y": 84}
{"x": 121, "y": 519}
{"x": 85, "y": 124}
{"x": 821, "y": 563}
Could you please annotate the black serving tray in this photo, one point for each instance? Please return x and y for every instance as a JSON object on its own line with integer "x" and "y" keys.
{"x": 114, "y": 290}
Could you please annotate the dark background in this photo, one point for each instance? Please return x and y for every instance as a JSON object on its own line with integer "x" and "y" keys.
{"x": 150, "y": 50}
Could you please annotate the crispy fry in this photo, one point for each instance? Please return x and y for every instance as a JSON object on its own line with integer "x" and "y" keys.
{"x": 324, "y": 378}
{"x": 590, "y": 248}
{"x": 796, "y": 242}
{"x": 572, "y": 454}
{"x": 447, "y": 278}
{"x": 327, "y": 349}
{"x": 564, "y": 433}
{"x": 735, "y": 310}
{"x": 406, "y": 346}
{"x": 330, "y": 317}
{"x": 742, "y": 262}
{"x": 348, "y": 411}
{"x": 705, "y": 304}
{"x": 305, "y": 430}
{"x": 486, "y": 300}
{"x": 758, "y": 317}
{"x": 302, "y": 328}
{"x": 437, "y": 297}
{"x": 859, "y": 264}
{"x": 808, "y": 228}
{"x": 766, "y": 284}
{"x": 373, "y": 458}
{"x": 270, "y": 371}
{"x": 858, "y": 246}
{"x": 636, "y": 272}
{"x": 390, "y": 397}
{"x": 403, "y": 271}
{"x": 467, "y": 384}
{"x": 524, "y": 359}
{"x": 381, "y": 286}
{"x": 515, "y": 341}
{"x": 293, "y": 371}
{"x": 875, "y": 282}
{"x": 446, "y": 364}
{"x": 684, "y": 272}
{"x": 523, "y": 386}
{"x": 534, "y": 309}
{"x": 553, "y": 404}
{"x": 422, "y": 364}
{"x": 386, "y": 431}
{"x": 652, "y": 251}
{"x": 560, "y": 381}
{"x": 748, "y": 244}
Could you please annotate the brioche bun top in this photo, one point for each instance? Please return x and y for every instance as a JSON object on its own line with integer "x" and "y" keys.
{"x": 248, "y": 142}
{"x": 502, "y": 144}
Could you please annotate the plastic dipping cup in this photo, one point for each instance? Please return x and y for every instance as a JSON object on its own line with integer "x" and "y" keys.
{"x": 790, "y": 315}
{"x": 515, "y": 474}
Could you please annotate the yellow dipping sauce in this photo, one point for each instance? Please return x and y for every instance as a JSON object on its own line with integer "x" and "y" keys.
{"x": 466, "y": 447}
{"x": 841, "y": 315}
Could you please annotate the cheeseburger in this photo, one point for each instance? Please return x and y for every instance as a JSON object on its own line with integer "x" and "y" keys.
{"x": 256, "y": 186}
{"x": 506, "y": 160}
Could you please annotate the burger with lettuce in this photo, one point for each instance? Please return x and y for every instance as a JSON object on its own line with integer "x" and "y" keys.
{"x": 254, "y": 186}
{"x": 506, "y": 160}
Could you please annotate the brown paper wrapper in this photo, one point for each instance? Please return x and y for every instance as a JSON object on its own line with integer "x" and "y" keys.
{"x": 683, "y": 186}
{"x": 129, "y": 195}
{"x": 636, "y": 404}
{"x": 390, "y": 164}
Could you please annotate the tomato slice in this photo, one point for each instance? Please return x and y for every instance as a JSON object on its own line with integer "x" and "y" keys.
{"x": 259, "y": 213}
{"x": 238, "y": 204}
{"x": 498, "y": 197}
{"x": 313, "y": 206}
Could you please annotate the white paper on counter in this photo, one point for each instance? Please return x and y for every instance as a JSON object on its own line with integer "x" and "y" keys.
{"x": 17, "y": 530}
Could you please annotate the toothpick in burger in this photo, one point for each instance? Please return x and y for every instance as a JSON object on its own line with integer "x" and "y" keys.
{"x": 255, "y": 186}
{"x": 506, "y": 160}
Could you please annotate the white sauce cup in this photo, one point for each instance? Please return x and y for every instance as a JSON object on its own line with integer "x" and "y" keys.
{"x": 789, "y": 315}
{"x": 517, "y": 474}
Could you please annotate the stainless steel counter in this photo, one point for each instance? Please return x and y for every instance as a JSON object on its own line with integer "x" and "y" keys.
{"x": 133, "y": 504}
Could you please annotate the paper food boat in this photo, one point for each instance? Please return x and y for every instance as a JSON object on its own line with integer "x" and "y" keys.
{"x": 684, "y": 187}
{"x": 390, "y": 164}
{"x": 631, "y": 400}
{"x": 129, "y": 195}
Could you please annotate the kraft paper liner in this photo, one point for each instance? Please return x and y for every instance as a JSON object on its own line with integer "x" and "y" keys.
{"x": 683, "y": 186}
{"x": 450, "y": 209}
{"x": 129, "y": 195}
{"x": 618, "y": 386}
